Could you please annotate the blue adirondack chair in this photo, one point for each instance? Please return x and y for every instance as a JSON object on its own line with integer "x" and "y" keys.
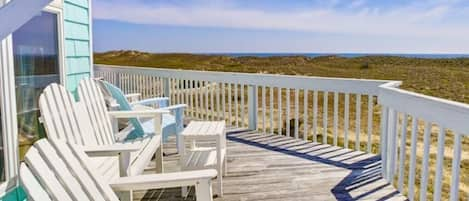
{"x": 173, "y": 123}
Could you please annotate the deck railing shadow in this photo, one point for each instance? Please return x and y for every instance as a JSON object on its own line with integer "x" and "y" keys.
{"x": 363, "y": 172}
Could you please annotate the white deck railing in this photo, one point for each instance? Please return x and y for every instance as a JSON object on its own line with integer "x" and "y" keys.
{"x": 437, "y": 128}
{"x": 367, "y": 115}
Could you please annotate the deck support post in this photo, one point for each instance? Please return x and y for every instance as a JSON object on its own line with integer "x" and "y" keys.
{"x": 167, "y": 87}
{"x": 252, "y": 107}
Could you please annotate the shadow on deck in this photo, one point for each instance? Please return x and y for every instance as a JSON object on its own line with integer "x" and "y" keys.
{"x": 273, "y": 167}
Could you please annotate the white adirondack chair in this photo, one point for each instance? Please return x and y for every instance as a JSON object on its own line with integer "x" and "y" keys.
{"x": 55, "y": 170}
{"x": 66, "y": 119}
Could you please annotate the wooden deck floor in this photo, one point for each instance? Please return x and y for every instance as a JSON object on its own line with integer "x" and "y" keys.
{"x": 278, "y": 168}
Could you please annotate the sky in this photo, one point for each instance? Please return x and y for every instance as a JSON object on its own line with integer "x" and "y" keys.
{"x": 299, "y": 26}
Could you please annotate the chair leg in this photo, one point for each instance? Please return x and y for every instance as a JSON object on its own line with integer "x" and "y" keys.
{"x": 225, "y": 167}
{"x": 203, "y": 190}
{"x": 220, "y": 184}
{"x": 179, "y": 143}
{"x": 125, "y": 196}
{"x": 184, "y": 191}
{"x": 159, "y": 159}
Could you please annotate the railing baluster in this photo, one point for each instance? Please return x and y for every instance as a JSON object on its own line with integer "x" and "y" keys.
{"x": 173, "y": 91}
{"x": 297, "y": 112}
{"x": 176, "y": 91}
{"x": 346, "y": 119}
{"x": 156, "y": 91}
{"x": 370, "y": 122}
{"x": 207, "y": 106}
{"x": 425, "y": 159}
{"x": 324, "y": 118}
{"x": 315, "y": 116}
{"x": 236, "y": 105}
{"x": 152, "y": 84}
{"x": 155, "y": 86}
{"x": 218, "y": 102}
{"x": 358, "y": 121}
{"x": 197, "y": 96}
{"x": 161, "y": 87}
{"x": 149, "y": 86}
{"x": 229, "y": 105}
{"x": 169, "y": 82}
{"x": 439, "y": 164}
{"x": 186, "y": 95}
{"x": 271, "y": 105}
{"x": 212, "y": 100}
{"x": 305, "y": 114}
{"x": 242, "y": 106}
{"x": 392, "y": 144}
{"x": 218, "y": 98}
{"x": 402, "y": 153}
{"x": 263, "y": 110}
{"x": 144, "y": 87}
{"x": 336, "y": 117}
{"x": 191, "y": 97}
{"x": 287, "y": 114}
{"x": 455, "y": 168}
{"x": 383, "y": 140}
{"x": 413, "y": 158}
{"x": 131, "y": 83}
{"x": 181, "y": 92}
{"x": 279, "y": 108}
{"x": 223, "y": 101}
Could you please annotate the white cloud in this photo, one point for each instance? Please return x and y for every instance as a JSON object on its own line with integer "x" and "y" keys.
{"x": 412, "y": 20}
{"x": 357, "y": 3}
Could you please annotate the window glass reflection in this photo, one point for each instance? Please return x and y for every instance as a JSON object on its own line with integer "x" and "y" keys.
{"x": 36, "y": 58}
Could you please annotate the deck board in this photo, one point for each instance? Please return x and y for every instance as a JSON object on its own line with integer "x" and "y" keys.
{"x": 272, "y": 167}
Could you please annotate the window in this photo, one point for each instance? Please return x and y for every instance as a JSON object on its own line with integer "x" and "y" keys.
{"x": 36, "y": 61}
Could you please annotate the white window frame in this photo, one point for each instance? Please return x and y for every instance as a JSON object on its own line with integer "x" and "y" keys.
{"x": 8, "y": 98}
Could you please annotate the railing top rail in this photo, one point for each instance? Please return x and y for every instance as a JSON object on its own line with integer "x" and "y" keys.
{"x": 449, "y": 114}
{"x": 344, "y": 85}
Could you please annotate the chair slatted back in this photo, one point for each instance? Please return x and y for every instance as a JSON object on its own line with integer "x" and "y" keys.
{"x": 91, "y": 96}
{"x": 55, "y": 170}
{"x": 63, "y": 118}
{"x": 124, "y": 105}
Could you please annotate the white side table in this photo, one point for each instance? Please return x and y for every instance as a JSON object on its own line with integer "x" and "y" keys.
{"x": 198, "y": 158}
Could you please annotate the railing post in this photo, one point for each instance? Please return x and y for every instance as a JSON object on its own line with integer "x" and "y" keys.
{"x": 167, "y": 87}
{"x": 252, "y": 107}
{"x": 384, "y": 140}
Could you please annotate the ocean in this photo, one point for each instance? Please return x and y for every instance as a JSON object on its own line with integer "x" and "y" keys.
{"x": 347, "y": 55}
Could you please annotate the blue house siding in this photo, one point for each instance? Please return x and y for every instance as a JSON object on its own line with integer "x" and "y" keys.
{"x": 77, "y": 32}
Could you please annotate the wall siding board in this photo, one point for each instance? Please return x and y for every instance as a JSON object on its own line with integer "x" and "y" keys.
{"x": 82, "y": 3}
{"x": 77, "y": 42}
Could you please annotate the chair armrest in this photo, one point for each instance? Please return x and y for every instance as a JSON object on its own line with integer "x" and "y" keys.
{"x": 160, "y": 101}
{"x": 174, "y": 107}
{"x": 114, "y": 106}
{"x": 136, "y": 114}
{"x": 166, "y": 180}
{"x": 178, "y": 112}
{"x": 133, "y": 97}
{"x": 110, "y": 150}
